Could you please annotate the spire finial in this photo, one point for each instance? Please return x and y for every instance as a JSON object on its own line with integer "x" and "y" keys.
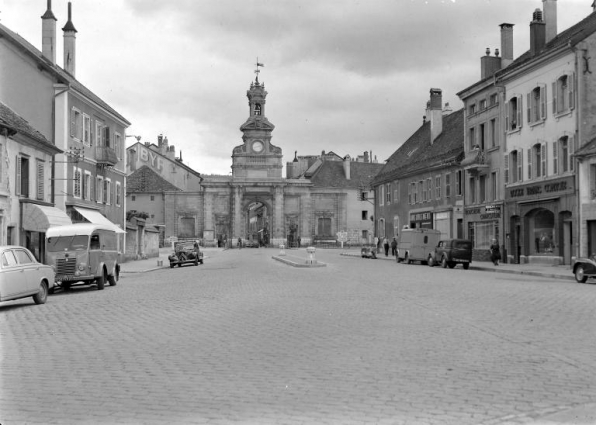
{"x": 257, "y": 71}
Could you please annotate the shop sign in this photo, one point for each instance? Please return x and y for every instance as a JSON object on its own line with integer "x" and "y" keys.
{"x": 540, "y": 189}
{"x": 486, "y": 212}
{"x": 423, "y": 216}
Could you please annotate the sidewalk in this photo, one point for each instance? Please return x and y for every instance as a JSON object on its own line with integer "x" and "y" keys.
{"x": 542, "y": 270}
{"x": 150, "y": 264}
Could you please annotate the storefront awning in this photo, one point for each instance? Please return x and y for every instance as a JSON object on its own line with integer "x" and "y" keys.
{"x": 39, "y": 218}
{"x": 96, "y": 217}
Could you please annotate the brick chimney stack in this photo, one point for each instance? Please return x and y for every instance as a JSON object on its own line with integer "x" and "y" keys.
{"x": 48, "y": 34}
{"x": 489, "y": 64}
{"x": 70, "y": 44}
{"x": 347, "y": 160}
{"x": 435, "y": 109}
{"x": 506, "y": 44}
{"x": 537, "y": 33}
{"x": 550, "y": 18}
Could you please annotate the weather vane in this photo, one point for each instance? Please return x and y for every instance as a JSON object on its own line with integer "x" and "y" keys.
{"x": 257, "y": 71}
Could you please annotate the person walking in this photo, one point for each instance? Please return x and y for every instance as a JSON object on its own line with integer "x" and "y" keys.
{"x": 386, "y": 246}
{"x": 239, "y": 243}
{"x": 495, "y": 252}
{"x": 394, "y": 247}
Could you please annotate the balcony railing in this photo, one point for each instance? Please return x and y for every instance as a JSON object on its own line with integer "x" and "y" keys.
{"x": 106, "y": 156}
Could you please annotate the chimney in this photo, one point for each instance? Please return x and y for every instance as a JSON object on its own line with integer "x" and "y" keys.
{"x": 550, "y": 18}
{"x": 164, "y": 145}
{"x": 48, "y": 34}
{"x": 347, "y": 160}
{"x": 69, "y": 44}
{"x": 537, "y": 33}
{"x": 594, "y": 6}
{"x": 506, "y": 44}
{"x": 436, "y": 114}
{"x": 447, "y": 109}
{"x": 489, "y": 64}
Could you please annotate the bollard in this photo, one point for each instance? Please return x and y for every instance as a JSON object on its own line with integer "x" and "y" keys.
{"x": 159, "y": 263}
{"x": 282, "y": 249}
{"x": 311, "y": 252}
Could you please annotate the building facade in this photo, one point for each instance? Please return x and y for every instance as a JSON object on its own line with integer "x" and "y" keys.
{"x": 89, "y": 175}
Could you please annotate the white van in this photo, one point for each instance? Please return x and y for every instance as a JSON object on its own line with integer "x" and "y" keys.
{"x": 83, "y": 253}
{"x": 416, "y": 244}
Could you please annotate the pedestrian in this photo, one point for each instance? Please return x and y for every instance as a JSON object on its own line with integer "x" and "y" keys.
{"x": 394, "y": 247}
{"x": 299, "y": 241}
{"x": 239, "y": 243}
{"x": 495, "y": 253}
{"x": 386, "y": 246}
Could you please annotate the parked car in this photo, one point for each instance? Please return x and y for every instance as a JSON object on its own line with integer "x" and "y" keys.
{"x": 186, "y": 253}
{"x": 450, "y": 252}
{"x": 21, "y": 275}
{"x": 583, "y": 268}
{"x": 368, "y": 252}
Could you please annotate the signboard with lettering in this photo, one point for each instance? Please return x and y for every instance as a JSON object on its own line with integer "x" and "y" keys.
{"x": 153, "y": 159}
{"x": 484, "y": 212}
{"x": 543, "y": 189}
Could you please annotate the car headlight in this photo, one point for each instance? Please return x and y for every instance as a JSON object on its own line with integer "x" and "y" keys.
{"x": 82, "y": 266}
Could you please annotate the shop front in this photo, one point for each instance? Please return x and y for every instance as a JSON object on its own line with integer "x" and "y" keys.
{"x": 422, "y": 219}
{"x": 541, "y": 222}
{"x": 483, "y": 224}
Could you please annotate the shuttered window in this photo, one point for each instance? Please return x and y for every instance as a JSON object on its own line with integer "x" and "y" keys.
{"x": 40, "y": 179}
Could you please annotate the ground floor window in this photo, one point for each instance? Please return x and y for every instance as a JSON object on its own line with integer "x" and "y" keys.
{"x": 443, "y": 224}
{"x": 324, "y": 226}
{"x": 481, "y": 233}
{"x": 542, "y": 232}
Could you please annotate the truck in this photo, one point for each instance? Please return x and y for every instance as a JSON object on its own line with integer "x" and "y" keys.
{"x": 416, "y": 244}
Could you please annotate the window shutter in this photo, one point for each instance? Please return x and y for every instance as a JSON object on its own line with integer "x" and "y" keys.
{"x": 506, "y": 167}
{"x": 520, "y": 165}
{"x": 556, "y": 157}
{"x": 18, "y": 179}
{"x": 592, "y": 181}
{"x": 555, "y": 97}
{"x": 106, "y": 137}
{"x": 507, "y": 111}
{"x": 571, "y": 152}
{"x": 529, "y": 163}
{"x": 520, "y": 109}
{"x": 529, "y": 106}
{"x": 543, "y": 152}
{"x": 40, "y": 180}
{"x": 571, "y": 90}
{"x": 73, "y": 123}
{"x": 543, "y": 101}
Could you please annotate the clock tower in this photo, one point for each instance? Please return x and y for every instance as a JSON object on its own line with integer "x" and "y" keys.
{"x": 257, "y": 157}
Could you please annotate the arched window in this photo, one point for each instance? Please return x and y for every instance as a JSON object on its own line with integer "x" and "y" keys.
{"x": 257, "y": 109}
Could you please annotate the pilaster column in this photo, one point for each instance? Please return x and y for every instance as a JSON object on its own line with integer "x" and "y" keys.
{"x": 279, "y": 214}
{"x": 237, "y": 228}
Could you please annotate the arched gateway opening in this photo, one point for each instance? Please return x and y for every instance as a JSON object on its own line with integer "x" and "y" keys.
{"x": 257, "y": 223}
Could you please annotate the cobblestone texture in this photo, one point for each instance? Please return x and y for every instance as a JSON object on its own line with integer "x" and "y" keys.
{"x": 244, "y": 339}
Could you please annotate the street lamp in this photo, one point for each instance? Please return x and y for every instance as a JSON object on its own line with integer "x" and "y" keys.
{"x": 136, "y": 137}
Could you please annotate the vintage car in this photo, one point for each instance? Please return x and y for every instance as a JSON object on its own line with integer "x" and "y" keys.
{"x": 583, "y": 268}
{"x": 368, "y": 252}
{"x": 450, "y": 252}
{"x": 22, "y": 276}
{"x": 186, "y": 253}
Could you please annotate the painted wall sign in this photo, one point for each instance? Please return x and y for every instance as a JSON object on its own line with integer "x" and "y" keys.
{"x": 541, "y": 189}
{"x": 487, "y": 212}
{"x": 150, "y": 157}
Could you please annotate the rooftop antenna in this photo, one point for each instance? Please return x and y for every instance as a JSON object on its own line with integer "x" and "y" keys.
{"x": 257, "y": 71}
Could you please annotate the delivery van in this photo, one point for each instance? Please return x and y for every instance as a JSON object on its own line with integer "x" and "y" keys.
{"x": 416, "y": 244}
{"x": 83, "y": 253}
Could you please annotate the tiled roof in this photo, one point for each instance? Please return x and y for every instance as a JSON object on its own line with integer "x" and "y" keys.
{"x": 331, "y": 174}
{"x": 145, "y": 180}
{"x": 62, "y": 76}
{"x": 570, "y": 37}
{"x": 417, "y": 153}
{"x": 16, "y": 123}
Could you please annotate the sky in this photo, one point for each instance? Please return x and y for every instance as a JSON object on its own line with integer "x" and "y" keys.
{"x": 346, "y": 76}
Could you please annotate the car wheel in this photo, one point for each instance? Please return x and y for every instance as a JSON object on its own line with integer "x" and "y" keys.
{"x": 407, "y": 258}
{"x": 444, "y": 262}
{"x": 101, "y": 281}
{"x": 466, "y": 266}
{"x": 172, "y": 265}
{"x": 42, "y": 295}
{"x": 451, "y": 264}
{"x": 431, "y": 261}
{"x": 114, "y": 278}
{"x": 196, "y": 262}
{"x": 580, "y": 275}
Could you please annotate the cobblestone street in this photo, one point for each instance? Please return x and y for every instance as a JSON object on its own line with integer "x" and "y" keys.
{"x": 246, "y": 339}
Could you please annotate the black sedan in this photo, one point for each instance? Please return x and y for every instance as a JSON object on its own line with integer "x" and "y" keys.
{"x": 583, "y": 268}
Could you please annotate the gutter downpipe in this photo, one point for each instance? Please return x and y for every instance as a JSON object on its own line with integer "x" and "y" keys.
{"x": 53, "y": 169}
{"x": 504, "y": 220}
{"x": 578, "y": 239}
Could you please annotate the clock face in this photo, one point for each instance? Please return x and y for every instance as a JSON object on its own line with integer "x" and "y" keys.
{"x": 257, "y": 146}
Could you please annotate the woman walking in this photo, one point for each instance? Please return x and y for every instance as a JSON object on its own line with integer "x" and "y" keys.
{"x": 495, "y": 253}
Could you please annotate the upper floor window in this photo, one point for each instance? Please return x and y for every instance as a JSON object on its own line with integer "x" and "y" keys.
{"x": 77, "y": 179}
{"x": 513, "y": 120}
{"x": 395, "y": 192}
{"x": 40, "y": 179}
{"x": 388, "y": 193}
{"x": 562, "y": 154}
{"x": 86, "y": 129}
{"x": 447, "y": 185}
{"x": 76, "y": 124}
{"x": 381, "y": 195}
{"x": 564, "y": 94}
{"x": 494, "y": 99}
{"x": 472, "y": 108}
{"x": 493, "y": 133}
{"x": 22, "y": 177}
{"x": 513, "y": 167}
{"x": 459, "y": 183}
{"x": 537, "y": 161}
{"x": 429, "y": 189}
{"x": 438, "y": 187}
{"x": 537, "y": 104}
{"x": 421, "y": 192}
{"x": 118, "y": 145}
{"x": 87, "y": 186}
{"x": 482, "y": 104}
{"x": 257, "y": 109}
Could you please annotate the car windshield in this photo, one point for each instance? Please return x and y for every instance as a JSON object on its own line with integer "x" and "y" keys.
{"x": 66, "y": 243}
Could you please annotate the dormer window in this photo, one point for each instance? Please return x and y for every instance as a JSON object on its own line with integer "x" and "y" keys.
{"x": 257, "y": 109}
